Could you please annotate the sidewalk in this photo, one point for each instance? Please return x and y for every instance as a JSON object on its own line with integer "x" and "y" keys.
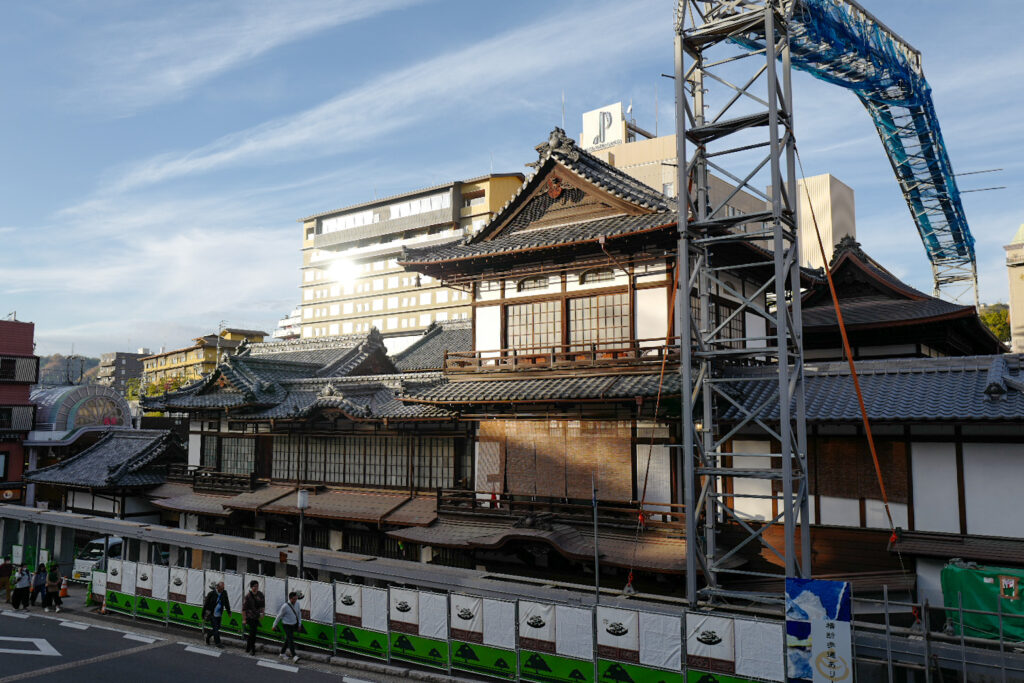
{"x": 75, "y": 609}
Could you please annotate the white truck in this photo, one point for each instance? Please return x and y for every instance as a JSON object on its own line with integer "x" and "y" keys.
{"x": 92, "y": 557}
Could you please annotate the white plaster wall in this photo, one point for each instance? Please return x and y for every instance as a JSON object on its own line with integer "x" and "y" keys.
{"x": 752, "y": 508}
{"x": 488, "y": 328}
{"x": 840, "y": 511}
{"x": 874, "y": 514}
{"x": 651, "y": 313}
{"x": 993, "y": 473}
{"x": 929, "y": 584}
{"x": 659, "y": 479}
{"x": 755, "y": 326}
{"x": 194, "y": 449}
{"x": 83, "y": 500}
{"x": 936, "y": 501}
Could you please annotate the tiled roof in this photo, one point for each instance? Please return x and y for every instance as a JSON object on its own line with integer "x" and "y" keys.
{"x": 542, "y": 238}
{"x": 196, "y": 503}
{"x": 968, "y": 547}
{"x": 648, "y": 551}
{"x": 427, "y": 352}
{"x": 571, "y": 388}
{"x": 356, "y": 506}
{"x": 882, "y": 311}
{"x": 263, "y": 377}
{"x": 121, "y": 458}
{"x": 970, "y": 388}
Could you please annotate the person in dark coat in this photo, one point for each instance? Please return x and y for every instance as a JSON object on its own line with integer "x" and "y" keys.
{"x": 215, "y": 606}
{"x": 253, "y": 605}
{"x": 38, "y": 585}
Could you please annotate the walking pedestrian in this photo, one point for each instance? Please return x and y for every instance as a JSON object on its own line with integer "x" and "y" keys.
{"x": 216, "y": 605}
{"x": 38, "y": 584}
{"x": 290, "y": 618}
{"x": 51, "y": 598}
{"x": 252, "y": 609}
{"x": 6, "y": 570}
{"x": 22, "y": 584}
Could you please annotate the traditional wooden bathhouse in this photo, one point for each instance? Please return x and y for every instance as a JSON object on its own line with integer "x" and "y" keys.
{"x": 319, "y": 414}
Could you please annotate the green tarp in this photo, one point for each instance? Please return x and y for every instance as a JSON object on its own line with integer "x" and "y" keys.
{"x": 988, "y": 589}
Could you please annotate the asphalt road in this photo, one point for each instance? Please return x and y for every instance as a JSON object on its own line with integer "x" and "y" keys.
{"x": 45, "y": 648}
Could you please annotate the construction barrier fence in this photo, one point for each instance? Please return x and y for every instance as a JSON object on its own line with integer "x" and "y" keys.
{"x": 501, "y": 639}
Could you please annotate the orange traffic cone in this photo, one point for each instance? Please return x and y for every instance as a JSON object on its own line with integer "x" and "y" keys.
{"x": 64, "y": 588}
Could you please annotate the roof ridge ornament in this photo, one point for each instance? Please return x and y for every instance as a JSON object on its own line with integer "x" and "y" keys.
{"x": 847, "y": 244}
{"x": 557, "y": 143}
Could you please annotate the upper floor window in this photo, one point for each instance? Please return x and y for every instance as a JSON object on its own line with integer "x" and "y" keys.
{"x": 531, "y": 283}
{"x": 597, "y": 275}
{"x": 8, "y": 368}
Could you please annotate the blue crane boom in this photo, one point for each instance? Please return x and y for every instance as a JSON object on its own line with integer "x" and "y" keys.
{"x": 840, "y": 42}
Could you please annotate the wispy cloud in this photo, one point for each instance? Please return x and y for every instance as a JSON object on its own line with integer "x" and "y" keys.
{"x": 137, "y": 64}
{"x": 466, "y": 79}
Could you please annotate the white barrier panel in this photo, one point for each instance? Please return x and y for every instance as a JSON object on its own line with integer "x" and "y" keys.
{"x": 375, "y": 609}
{"x": 348, "y": 604}
{"x": 195, "y": 589}
{"x": 574, "y": 632}
{"x": 144, "y": 579}
{"x": 233, "y": 587}
{"x": 433, "y": 615}
{"x": 404, "y": 610}
{"x": 275, "y": 594}
{"x": 301, "y": 586}
{"x": 537, "y": 626}
{"x": 618, "y": 634}
{"x": 99, "y": 583}
{"x": 177, "y": 590}
{"x": 759, "y": 649}
{"x": 467, "y": 617}
{"x": 210, "y": 580}
{"x": 321, "y": 597}
{"x": 114, "y": 575}
{"x": 160, "y": 580}
{"x": 128, "y": 572}
{"x": 499, "y": 623}
{"x": 661, "y": 641}
{"x": 709, "y": 642}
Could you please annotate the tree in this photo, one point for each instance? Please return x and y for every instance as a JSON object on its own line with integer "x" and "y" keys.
{"x": 466, "y": 653}
{"x": 537, "y": 663}
{"x": 997, "y": 318}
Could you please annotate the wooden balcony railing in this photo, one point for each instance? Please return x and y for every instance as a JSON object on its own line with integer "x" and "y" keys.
{"x": 656, "y": 515}
{"x": 616, "y": 354}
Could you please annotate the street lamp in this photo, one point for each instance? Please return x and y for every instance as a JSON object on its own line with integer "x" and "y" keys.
{"x": 302, "y": 502}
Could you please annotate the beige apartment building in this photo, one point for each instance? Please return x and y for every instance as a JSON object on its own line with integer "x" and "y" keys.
{"x": 613, "y": 138}
{"x": 351, "y": 281}
{"x": 1015, "y": 269}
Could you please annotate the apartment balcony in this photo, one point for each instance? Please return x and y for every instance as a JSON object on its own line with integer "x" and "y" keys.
{"x": 19, "y": 369}
{"x": 639, "y": 354}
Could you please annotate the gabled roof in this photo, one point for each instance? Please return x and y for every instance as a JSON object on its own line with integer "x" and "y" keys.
{"x": 954, "y": 389}
{"x": 871, "y": 297}
{"x": 573, "y": 197}
{"x": 123, "y": 458}
{"x": 258, "y": 376}
{"x": 427, "y": 352}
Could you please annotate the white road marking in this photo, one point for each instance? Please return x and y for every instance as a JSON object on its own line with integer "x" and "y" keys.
{"x": 274, "y": 665}
{"x": 42, "y": 647}
{"x": 352, "y": 679}
{"x": 203, "y": 651}
{"x": 141, "y": 639}
{"x": 75, "y": 624}
{"x": 16, "y": 615}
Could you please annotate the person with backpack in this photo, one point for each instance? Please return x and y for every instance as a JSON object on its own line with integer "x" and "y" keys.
{"x": 290, "y": 618}
{"x": 22, "y": 584}
{"x": 253, "y": 605}
{"x": 51, "y": 597}
{"x": 216, "y": 605}
{"x": 38, "y": 585}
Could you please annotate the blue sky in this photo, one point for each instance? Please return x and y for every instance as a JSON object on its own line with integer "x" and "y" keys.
{"x": 156, "y": 156}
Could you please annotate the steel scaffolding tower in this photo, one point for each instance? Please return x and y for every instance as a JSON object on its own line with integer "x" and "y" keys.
{"x": 734, "y": 114}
